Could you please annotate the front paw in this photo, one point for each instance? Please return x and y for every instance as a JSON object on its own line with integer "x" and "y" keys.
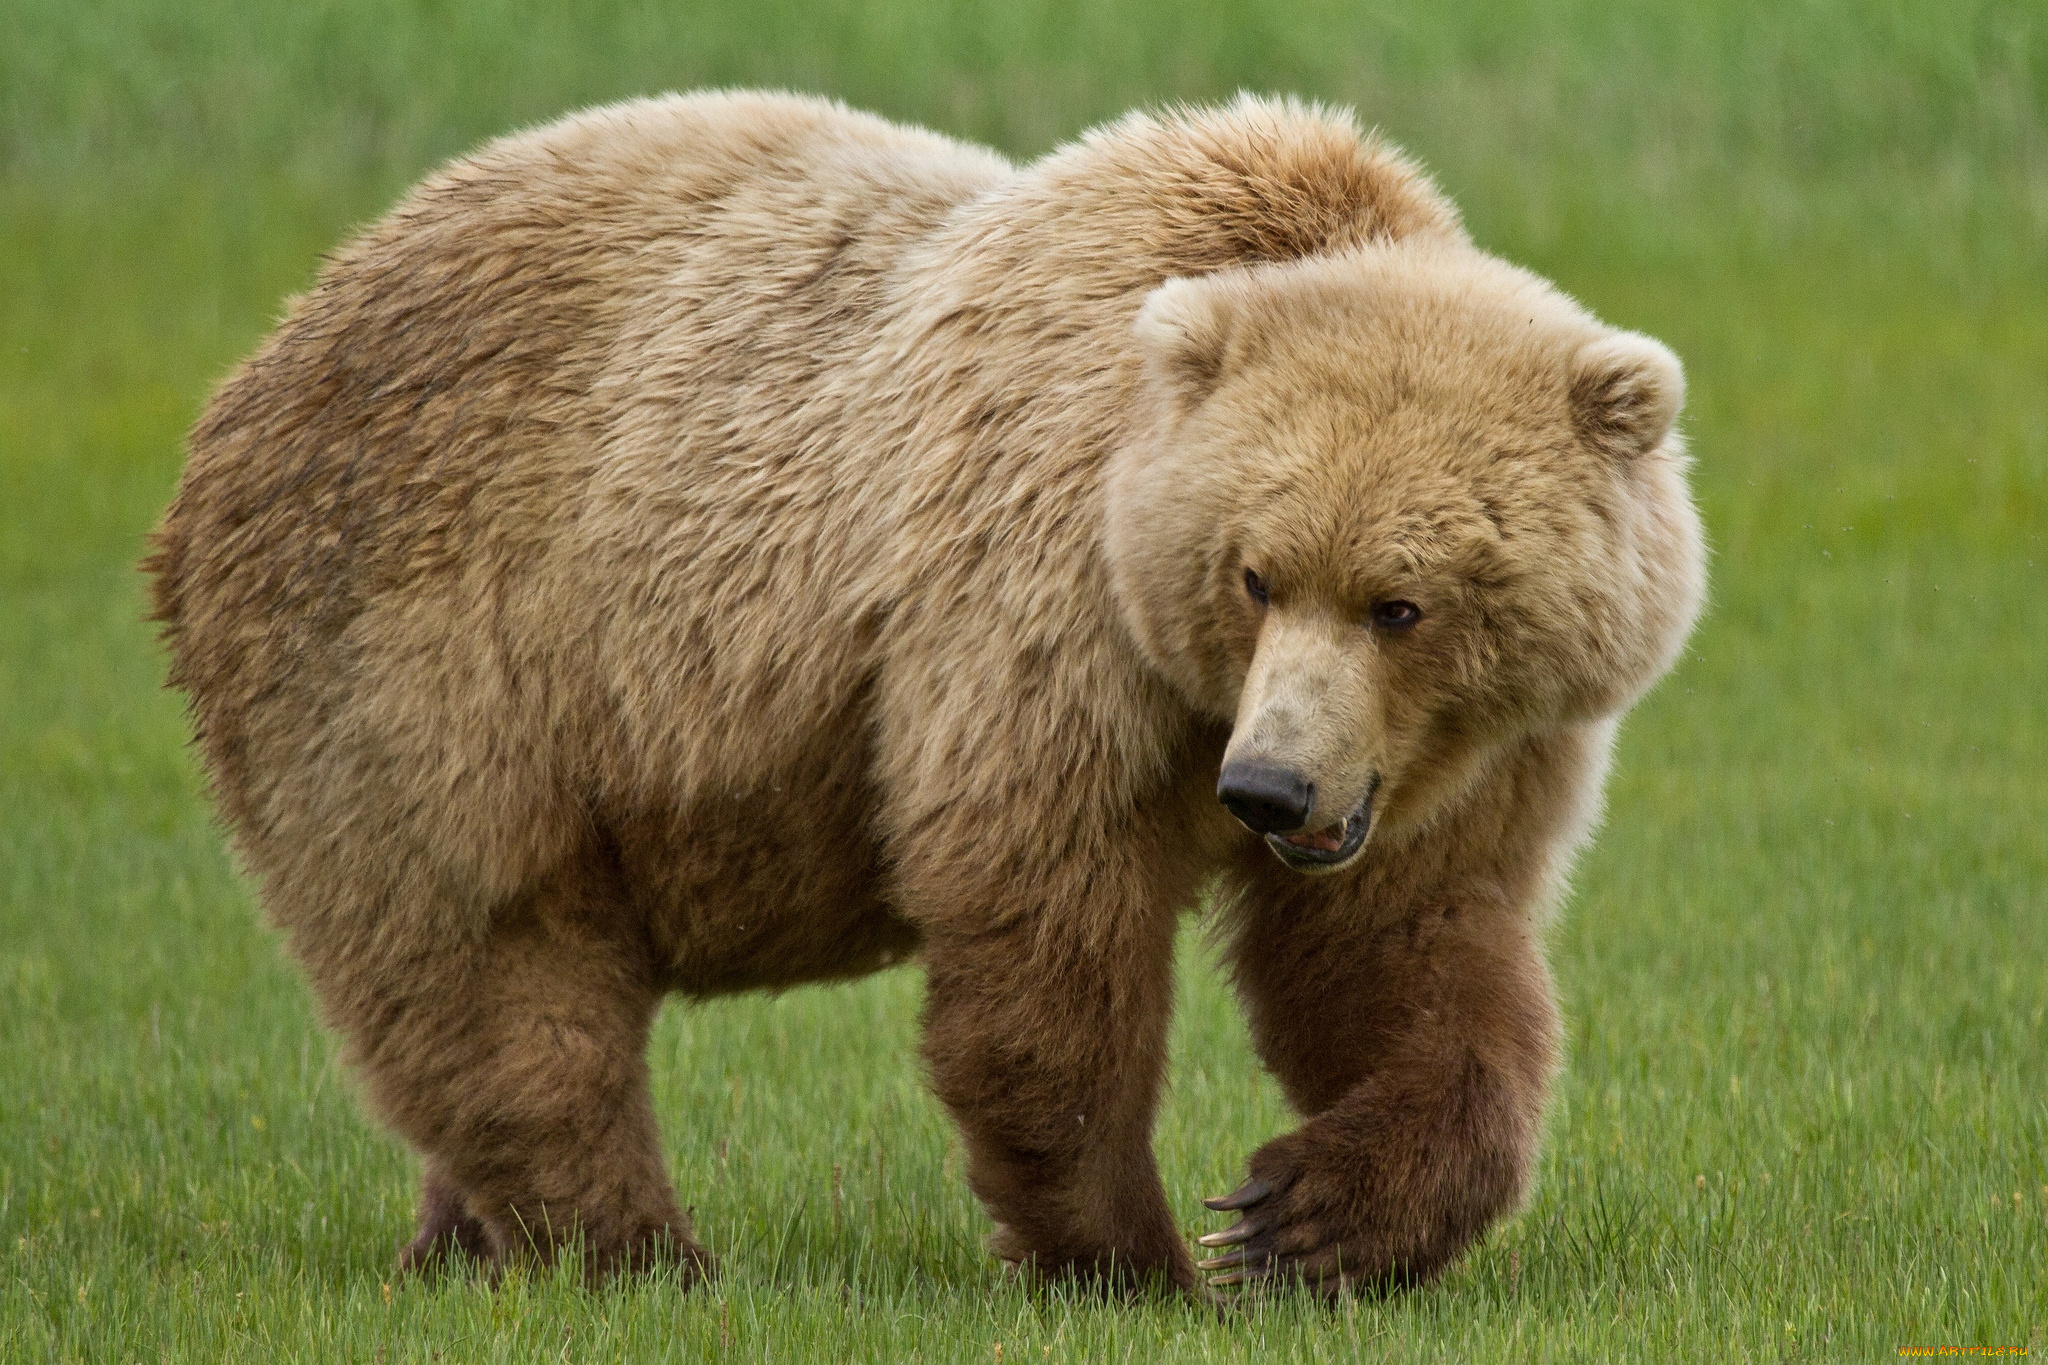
{"x": 1012, "y": 1248}
{"x": 1330, "y": 1220}
{"x": 1124, "y": 1271}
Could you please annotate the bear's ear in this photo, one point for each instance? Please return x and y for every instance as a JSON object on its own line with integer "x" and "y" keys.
{"x": 1185, "y": 330}
{"x": 1626, "y": 390}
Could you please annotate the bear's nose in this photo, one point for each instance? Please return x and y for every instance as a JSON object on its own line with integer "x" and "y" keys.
{"x": 1266, "y": 797}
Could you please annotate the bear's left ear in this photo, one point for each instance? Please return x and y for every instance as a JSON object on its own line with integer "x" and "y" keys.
{"x": 1626, "y": 390}
{"x": 1185, "y": 330}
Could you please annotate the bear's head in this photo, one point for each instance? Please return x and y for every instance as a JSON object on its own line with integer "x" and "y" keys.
{"x": 1398, "y": 508}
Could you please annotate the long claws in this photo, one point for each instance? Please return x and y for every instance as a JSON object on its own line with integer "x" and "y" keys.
{"x": 1251, "y": 1192}
{"x": 1240, "y": 1231}
{"x": 1242, "y": 1266}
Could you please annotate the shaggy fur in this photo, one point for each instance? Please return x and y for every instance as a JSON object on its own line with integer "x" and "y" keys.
{"x": 719, "y": 542}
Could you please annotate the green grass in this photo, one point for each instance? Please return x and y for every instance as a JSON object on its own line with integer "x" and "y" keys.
{"x": 1804, "y": 1114}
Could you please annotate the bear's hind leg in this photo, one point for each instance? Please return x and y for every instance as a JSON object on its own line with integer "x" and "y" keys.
{"x": 516, "y": 1065}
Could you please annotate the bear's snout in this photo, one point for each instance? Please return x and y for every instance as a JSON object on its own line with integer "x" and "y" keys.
{"x": 1266, "y": 797}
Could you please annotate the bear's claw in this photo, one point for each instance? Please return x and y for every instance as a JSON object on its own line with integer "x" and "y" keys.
{"x": 1245, "y": 1195}
{"x": 1255, "y": 1258}
{"x": 1271, "y": 1241}
{"x": 1240, "y": 1231}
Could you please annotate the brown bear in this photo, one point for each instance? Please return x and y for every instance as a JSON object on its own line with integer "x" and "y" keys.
{"x": 725, "y": 541}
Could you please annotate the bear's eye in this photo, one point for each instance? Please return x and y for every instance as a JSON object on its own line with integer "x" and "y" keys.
{"x": 1255, "y": 585}
{"x": 1395, "y": 615}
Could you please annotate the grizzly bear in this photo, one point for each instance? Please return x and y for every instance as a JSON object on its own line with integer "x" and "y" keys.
{"x": 719, "y": 542}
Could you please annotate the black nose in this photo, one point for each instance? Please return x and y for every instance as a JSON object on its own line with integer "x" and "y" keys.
{"x": 1268, "y": 798}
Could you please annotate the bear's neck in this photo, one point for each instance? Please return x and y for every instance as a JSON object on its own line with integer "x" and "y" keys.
{"x": 1110, "y": 217}
{"x": 1012, "y": 321}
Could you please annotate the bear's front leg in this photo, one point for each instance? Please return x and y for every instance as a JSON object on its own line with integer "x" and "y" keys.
{"x": 1415, "y": 1029}
{"x": 1048, "y": 1044}
{"x": 1045, "y": 850}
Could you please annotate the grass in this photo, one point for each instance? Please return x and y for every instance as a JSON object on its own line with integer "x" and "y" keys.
{"x": 1803, "y": 968}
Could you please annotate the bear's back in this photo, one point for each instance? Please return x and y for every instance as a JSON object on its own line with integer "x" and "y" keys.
{"x": 462, "y": 350}
{"x": 419, "y": 438}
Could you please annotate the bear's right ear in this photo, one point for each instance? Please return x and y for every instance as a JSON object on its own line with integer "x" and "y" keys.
{"x": 1185, "y": 330}
{"x": 1626, "y": 391}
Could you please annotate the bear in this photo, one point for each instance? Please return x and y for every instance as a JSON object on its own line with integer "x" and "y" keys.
{"x": 724, "y": 541}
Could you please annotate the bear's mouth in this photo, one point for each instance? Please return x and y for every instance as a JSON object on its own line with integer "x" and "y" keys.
{"x": 1331, "y": 847}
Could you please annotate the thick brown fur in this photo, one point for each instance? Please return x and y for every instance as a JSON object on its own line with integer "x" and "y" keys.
{"x": 726, "y": 541}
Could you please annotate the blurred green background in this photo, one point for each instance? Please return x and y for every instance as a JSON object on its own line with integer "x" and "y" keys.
{"x": 1804, "y": 1115}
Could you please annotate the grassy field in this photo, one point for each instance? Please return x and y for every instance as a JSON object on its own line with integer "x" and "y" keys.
{"x": 1806, "y": 1109}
